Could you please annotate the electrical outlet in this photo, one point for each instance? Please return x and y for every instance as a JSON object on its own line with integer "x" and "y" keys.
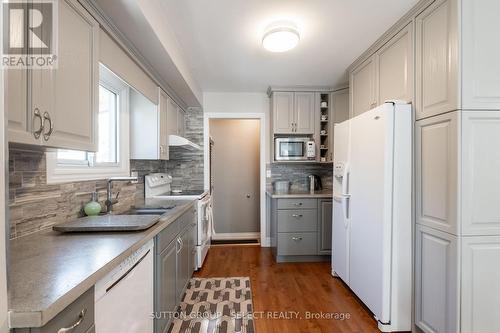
{"x": 268, "y": 173}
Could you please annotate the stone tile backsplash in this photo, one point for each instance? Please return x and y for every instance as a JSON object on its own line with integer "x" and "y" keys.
{"x": 298, "y": 174}
{"x": 35, "y": 205}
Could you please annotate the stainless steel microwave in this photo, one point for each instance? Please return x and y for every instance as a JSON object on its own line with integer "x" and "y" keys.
{"x": 294, "y": 149}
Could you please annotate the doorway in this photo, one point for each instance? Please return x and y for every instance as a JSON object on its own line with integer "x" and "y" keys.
{"x": 235, "y": 177}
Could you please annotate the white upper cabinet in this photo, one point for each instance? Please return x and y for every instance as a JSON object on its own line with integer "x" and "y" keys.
{"x": 362, "y": 83}
{"x": 437, "y": 59}
{"x": 293, "y": 112}
{"x": 176, "y": 119}
{"x": 24, "y": 125}
{"x": 480, "y": 54}
{"x": 395, "y": 67}
{"x": 62, "y": 112}
{"x": 283, "y": 112}
{"x": 73, "y": 113}
{"x": 163, "y": 126}
{"x": 304, "y": 114}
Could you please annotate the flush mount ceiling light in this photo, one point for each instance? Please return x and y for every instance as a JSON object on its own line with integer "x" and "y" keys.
{"x": 280, "y": 37}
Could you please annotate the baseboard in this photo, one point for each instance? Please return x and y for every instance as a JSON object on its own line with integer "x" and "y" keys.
{"x": 266, "y": 242}
{"x": 237, "y": 235}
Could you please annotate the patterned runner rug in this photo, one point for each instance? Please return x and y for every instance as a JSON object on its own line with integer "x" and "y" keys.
{"x": 215, "y": 305}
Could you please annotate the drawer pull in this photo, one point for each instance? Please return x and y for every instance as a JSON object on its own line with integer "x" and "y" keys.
{"x": 298, "y": 204}
{"x": 297, "y": 239}
{"x": 81, "y": 316}
{"x": 297, "y": 216}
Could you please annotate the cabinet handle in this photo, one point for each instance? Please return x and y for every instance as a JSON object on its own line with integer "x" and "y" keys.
{"x": 36, "y": 114}
{"x": 46, "y": 116}
{"x": 298, "y": 204}
{"x": 179, "y": 243}
{"x": 297, "y": 239}
{"x": 81, "y": 316}
{"x": 298, "y": 216}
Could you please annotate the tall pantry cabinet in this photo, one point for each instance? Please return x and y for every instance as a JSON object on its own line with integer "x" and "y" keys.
{"x": 457, "y": 161}
{"x": 455, "y": 90}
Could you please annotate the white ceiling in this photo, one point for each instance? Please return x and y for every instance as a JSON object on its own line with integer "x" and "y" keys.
{"x": 221, "y": 39}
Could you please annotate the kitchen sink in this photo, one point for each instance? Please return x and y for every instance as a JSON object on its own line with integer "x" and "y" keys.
{"x": 147, "y": 211}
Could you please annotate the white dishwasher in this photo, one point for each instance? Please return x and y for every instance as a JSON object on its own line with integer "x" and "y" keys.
{"x": 124, "y": 297}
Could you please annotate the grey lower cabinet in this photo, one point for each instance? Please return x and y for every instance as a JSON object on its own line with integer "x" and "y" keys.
{"x": 174, "y": 266}
{"x": 325, "y": 208}
{"x": 301, "y": 229}
{"x": 79, "y": 315}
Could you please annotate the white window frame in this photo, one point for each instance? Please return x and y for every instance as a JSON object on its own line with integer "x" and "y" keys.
{"x": 65, "y": 172}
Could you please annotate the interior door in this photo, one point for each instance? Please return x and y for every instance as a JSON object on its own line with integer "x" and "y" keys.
{"x": 370, "y": 185}
{"x": 236, "y": 165}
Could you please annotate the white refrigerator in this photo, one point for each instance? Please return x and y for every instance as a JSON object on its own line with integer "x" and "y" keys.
{"x": 371, "y": 243}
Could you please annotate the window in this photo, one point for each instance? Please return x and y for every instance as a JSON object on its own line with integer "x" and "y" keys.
{"x": 112, "y": 157}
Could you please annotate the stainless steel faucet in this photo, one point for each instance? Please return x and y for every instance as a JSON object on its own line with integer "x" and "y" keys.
{"x": 110, "y": 201}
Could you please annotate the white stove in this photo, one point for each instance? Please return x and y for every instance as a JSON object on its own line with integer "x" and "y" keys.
{"x": 158, "y": 186}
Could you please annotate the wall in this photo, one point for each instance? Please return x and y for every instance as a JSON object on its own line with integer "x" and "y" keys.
{"x": 3, "y": 219}
{"x": 35, "y": 205}
{"x": 222, "y": 102}
{"x": 186, "y": 167}
{"x": 236, "y": 176}
{"x": 298, "y": 174}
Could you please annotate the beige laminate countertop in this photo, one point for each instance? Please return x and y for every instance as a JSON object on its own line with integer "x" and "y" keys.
{"x": 49, "y": 270}
{"x": 327, "y": 193}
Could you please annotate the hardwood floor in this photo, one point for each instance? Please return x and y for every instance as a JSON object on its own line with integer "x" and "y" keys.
{"x": 292, "y": 288}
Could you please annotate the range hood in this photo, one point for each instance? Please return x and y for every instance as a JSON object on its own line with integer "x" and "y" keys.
{"x": 179, "y": 141}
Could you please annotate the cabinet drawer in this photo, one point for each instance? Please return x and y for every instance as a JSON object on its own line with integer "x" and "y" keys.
{"x": 167, "y": 235}
{"x": 297, "y": 203}
{"x": 298, "y": 220}
{"x": 297, "y": 243}
{"x": 70, "y": 316}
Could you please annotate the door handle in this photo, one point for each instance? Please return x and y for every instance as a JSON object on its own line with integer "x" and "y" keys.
{"x": 36, "y": 114}
{"x": 46, "y": 135}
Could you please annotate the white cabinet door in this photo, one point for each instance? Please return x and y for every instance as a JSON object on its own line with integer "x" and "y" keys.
{"x": 24, "y": 124}
{"x": 480, "y": 167}
{"x": 304, "y": 112}
{"x": 362, "y": 84}
{"x": 436, "y": 281}
{"x": 163, "y": 126}
{"x": 395, "y": 67}
{"x": 480, "y": 54}
{"x": 480, "y": 287}
{"x": 283, "y": 112}
{"x": 75, "y": 82}
{"x": 437, "y": 80}
{"x": 436, "y": 147}
{"x": 172, "y": 118}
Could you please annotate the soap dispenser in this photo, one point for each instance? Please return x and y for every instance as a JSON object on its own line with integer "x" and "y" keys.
{"x": 93, "y": 207}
